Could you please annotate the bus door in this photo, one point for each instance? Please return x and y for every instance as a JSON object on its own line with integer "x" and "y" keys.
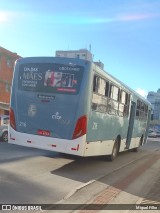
{"x": 131, "y": 124}
{"x": 147, "y": 127}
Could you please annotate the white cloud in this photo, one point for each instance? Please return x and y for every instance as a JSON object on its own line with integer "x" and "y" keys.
{"x": 3, "y": 16}
{"x": 142, "y": 92}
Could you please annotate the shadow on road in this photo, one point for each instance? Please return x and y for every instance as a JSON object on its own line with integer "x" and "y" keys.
{"x": 13, "y": 153}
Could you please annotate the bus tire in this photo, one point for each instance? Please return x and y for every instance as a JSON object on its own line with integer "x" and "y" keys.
{"x": 114, "y": 151}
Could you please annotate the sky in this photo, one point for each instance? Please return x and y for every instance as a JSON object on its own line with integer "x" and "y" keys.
{"x": 123, "y": 34}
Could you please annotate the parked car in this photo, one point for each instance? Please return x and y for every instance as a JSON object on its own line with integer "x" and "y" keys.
{"x": 157, "y": 133}
{"x": 152, "y": 134}
{"x": 4, "y": 121}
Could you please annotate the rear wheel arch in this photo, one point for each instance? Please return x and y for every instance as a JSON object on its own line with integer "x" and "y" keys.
{"x": 115, "y": 149}
{"x": 5, "y": 136}
{"x": 140, "y": 144}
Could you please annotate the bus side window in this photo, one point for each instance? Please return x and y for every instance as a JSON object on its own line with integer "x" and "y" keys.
{"x": 114, "y": 93}
{"x": 124, "y": 103}
{"x": 107, "y": 89}
{"x": 123, "y": 97}
{"x": 110, "y": 90}
{"x": 113, "y": 104}
{"x": 126, "y": 99}
{"x": 99, "y": 85}
{"x": 146, "y": 110}
{"x": 141, "y": 110}
{"x": 101, "y": 88}
{"x": 119, "y": 95}
{"x": 138, "y": 109}
{"x": 127, "y": 103}
{"x": 95, "y": 83}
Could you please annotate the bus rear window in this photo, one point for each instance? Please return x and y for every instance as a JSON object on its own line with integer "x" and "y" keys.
{"x": 50, "y": 78}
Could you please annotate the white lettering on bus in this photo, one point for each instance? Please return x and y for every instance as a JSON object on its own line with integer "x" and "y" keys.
{"x": 31, "y": 69}
{"x": 32, "y": 76}
{"x": 69, "y": 68}
{"x": 56, "y": 116}
{"x": 95, "y": 126}
{"x": 22, "y": 124}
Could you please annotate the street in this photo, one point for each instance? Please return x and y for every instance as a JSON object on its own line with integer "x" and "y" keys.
{"x": 29, "y": 175}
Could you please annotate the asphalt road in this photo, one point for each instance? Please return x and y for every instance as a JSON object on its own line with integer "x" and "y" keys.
{"x": 29, "y": 175}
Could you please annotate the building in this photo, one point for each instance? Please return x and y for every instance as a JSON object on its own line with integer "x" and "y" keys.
{"x": 154, "y": 99}
{"x": 82, "y": 54}
{"x": 100, "y": 64}
{"x": 7, "y": 60}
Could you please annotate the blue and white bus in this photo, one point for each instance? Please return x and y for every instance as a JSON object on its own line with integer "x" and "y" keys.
{"x": 72, "y": 106}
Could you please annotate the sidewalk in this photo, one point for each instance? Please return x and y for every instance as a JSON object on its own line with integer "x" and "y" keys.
{"x": 138, "y": 184}
{"x": 139, "y": 189}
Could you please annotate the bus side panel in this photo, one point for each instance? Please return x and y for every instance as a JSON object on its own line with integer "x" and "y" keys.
{"x": 105, "y": 127}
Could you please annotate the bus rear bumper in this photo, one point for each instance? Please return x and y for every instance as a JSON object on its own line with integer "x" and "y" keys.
{"x": 73, "y": 147}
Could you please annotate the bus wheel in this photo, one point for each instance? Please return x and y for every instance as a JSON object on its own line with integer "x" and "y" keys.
{"x": 114, "y": 151}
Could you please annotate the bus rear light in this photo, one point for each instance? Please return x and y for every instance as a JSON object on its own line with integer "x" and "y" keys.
{"x": 12, "y": 119}
{"x": 81, "y": 127}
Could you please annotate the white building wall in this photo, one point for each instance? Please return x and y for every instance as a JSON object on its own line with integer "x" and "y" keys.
{"x": 82, "y": 54}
